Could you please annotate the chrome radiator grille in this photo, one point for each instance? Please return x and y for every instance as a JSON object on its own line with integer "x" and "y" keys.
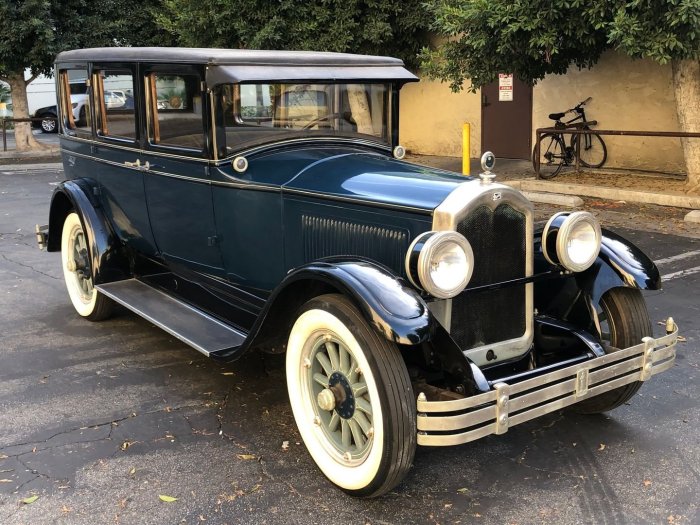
{"x": 499, "y": 240}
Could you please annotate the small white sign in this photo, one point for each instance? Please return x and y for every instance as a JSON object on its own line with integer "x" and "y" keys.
{"x": 505, "y": 87}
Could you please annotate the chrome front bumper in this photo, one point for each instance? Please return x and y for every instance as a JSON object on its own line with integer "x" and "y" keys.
{"x": 443, "y": 423}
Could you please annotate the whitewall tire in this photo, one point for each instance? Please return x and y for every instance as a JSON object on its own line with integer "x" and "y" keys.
{"x": 351, "y": 397}
{"x": 77, "y": 272}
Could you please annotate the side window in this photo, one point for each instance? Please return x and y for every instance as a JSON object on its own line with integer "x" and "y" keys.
{"x": 175, "y": 111}
{"x": 75, "y": 102}
{"x": 114, "y": 98}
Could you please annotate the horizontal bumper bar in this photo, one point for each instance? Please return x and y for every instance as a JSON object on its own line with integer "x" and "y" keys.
{"x": 444, "y": 423}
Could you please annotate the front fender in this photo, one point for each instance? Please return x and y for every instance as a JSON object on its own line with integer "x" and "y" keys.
{"x": 390, "y": 306}
{"x": 107, "y": 259}
{"x": 620, "y": 263}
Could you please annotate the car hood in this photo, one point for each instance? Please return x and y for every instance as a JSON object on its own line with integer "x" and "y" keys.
{"x": 374, "y": 178}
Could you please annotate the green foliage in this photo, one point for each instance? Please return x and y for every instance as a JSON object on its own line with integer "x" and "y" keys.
{"x": 386, "y": 27}
{"x": 4, "y": 93}
{"x": 533, "y": 38}
{"x": 33, "y": 32}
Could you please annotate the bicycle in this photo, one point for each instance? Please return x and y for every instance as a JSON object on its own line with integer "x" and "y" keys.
{"x": 554, "y": 152}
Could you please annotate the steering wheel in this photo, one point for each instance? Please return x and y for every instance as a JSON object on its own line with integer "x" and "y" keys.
{"x": 320, "y": 119}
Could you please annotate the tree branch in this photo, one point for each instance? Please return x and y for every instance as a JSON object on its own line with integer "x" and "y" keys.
{"x": 30, "y": 79}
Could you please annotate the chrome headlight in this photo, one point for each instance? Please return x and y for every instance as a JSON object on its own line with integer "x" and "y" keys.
{"x": 441, "y": 263}
{"x": 572, "y": 240}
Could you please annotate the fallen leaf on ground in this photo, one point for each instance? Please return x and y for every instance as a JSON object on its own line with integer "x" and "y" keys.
{"x": 126, "y": 445}
{"x": 167, "y": 499}
{"x": 5, "y": 481}
{"x": 463, "y": 490}
{"x": 601, "y": 447}
{"x": 132, "y": 470}
{"x": 226, "y": 373}
{"x": 647, "y": 482}
{"x": 3, "y": 456}
{"x": 30, "y": 499}
{"x": 285, "y": 445}
{"x": 245, "y": 456}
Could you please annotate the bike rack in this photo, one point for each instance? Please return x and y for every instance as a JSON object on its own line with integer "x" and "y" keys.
{"x": 575, "y": 129}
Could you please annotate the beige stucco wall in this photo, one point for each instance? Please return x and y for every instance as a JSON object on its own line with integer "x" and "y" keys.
{"x": 627, "y": 95}
{"x": 432, "y": 116}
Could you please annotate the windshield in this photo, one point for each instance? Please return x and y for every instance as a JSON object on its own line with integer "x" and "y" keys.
{"x": 255, "y": 114}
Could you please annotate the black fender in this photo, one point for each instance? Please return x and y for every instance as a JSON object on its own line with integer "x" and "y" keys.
{"x": 388, "y": 304}
{"x": 108, "y": 260}
{"x": 576, "y": 296}
{"x": 620, "y": 263}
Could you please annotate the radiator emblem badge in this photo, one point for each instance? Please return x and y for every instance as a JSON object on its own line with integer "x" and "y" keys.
{"x": 496, "y": 196}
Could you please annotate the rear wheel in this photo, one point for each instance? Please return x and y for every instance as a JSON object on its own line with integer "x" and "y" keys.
{"x": 552, "y": 156}
{"x": 593, "y": 152}
{"x": 77, "y": 272}
{"x": 624, "y": 321}
{"x": 351, "y": 397}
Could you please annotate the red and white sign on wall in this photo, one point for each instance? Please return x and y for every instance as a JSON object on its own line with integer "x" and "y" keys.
{"x": 505, "y": 87}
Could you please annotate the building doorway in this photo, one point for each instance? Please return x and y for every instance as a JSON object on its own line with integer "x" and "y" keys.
{"x": 506, "y": 118}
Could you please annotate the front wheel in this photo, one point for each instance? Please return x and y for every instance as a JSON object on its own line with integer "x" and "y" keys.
{"x": 593, "y": 152}
{"x": 552, "y": 156}
{"x": 351, "y": 397}
{"x": 624, "y": 321}
{"x": 77, "y": 272}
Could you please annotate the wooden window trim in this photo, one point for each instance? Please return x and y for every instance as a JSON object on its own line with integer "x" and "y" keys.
{"x": 67, "y": 104}
{"x": 100, "y": 96}
{"x": 153, "y": 106}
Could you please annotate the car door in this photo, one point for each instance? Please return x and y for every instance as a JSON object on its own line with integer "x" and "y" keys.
{"x": 116, "y": 149}
{"x": 176, "y": 169}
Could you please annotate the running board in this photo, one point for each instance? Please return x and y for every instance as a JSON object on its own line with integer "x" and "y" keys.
{"x": 189, "y": 324}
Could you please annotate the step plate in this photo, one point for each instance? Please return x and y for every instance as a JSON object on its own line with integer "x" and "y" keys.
{"x": 190, "y": 325}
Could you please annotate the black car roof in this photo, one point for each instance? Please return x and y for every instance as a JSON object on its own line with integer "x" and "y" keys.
{"x": 240, "y": 65}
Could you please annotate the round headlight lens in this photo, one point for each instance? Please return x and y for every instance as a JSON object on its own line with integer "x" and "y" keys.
{"x": 582, "y": 244}
{"x": 572, "y": 240}
{"x": 441, "y": 263}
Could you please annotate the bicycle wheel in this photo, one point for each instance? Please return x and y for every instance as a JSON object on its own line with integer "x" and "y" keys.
{"x": 552, "y": 155}
{"x": 593, "y": 153}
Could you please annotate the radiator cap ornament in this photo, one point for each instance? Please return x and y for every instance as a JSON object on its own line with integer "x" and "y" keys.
{"x": 488, "y": 161}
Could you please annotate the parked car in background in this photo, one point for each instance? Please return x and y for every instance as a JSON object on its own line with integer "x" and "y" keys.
{"x": 80, "y": 108}
{"x": 266, "y": 206}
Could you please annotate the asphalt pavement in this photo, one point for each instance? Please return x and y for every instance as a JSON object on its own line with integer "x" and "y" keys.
{"x": 98, "y": 420}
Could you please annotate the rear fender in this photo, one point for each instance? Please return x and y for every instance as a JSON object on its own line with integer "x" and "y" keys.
{"x": 107, "y": 257}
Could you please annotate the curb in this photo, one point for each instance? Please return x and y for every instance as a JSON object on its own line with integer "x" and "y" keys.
{"x": 677, "y": 200}
{"x": 33, "y": 166}
{"x": 569, "y": 201}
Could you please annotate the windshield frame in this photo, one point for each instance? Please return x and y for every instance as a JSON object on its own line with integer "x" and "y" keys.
{"x": 223, "y": 122}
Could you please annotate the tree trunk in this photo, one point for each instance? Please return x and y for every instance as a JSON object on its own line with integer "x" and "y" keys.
{"x": 686, "y": 84}
{"x": 23, "y": 130}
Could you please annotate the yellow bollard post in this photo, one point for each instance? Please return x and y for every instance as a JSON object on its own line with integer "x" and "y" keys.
{"x": 465, "y": 148}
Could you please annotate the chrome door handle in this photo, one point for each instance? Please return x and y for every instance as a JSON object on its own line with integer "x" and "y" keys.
{"x": 137, "y": 164}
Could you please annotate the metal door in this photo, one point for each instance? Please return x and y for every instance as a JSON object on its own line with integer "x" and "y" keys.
{"x": 506, "y": 118}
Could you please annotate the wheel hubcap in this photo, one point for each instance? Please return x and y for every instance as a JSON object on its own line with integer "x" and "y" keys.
{"x": 341, "y": 406}
{"x": 78, "y": 264}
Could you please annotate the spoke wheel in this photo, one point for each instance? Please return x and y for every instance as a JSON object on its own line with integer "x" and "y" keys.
{"x": 77, "y": 272}
{"x": 623, "y": 321}
{"x": 351, "y": 398}
{"x": 593, "y": 152}
{"x": 552, "y": 156}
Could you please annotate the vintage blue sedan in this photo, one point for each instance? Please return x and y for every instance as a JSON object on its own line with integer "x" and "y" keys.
{"x": 258, "y": 200}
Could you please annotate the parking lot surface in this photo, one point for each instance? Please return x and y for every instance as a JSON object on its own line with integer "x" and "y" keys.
{"x": 101, "y": 419}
